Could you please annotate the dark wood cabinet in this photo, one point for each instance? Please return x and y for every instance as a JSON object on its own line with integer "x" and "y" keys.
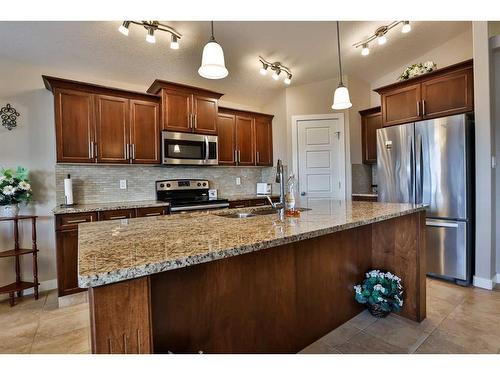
{"x": 187, "y": 108}
{"x": 204, "y": 114}
{"x": 98, "y": 124}
{"x": 245, "y": 138}
{"x": 227, "y": 138}
{"x": 144, "y": 132}
{"x": 263, "y": 140}
{"x": 371, "y": 120}
{"x": 364, "y": 198}
{"x": 448, "y": 94}
{"x": 112, "y": 129}
{"x": 75, "y": 126}
{"x": 67, "y": 240}
{"x": 443, "y": 92}
{"x": 255, "y": 202}
{"x": 402, "y": 105}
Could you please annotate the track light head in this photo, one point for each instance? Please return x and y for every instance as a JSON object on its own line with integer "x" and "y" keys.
{"x": 406, "y": 27}
{"x": 366, "y": 50}
{"x": 124, "y": 28}
{"x": 263, "y": 69}
{"x": 288, "y": 79}
{"x": 276, "y": 74}
{"x": 150, "y": 36}
{"x": 174, "y": 42}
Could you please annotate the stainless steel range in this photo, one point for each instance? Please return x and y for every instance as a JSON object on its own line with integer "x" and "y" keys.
{"x": 187, "y": 195}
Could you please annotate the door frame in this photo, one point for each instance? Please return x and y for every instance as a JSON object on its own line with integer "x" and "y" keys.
{"x": 347, "y": 152}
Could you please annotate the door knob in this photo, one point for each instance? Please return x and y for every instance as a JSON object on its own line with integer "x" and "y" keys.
{"x": 303, "y": 193}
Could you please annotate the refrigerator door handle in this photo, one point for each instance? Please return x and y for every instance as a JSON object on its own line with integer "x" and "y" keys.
{"x": 445, "y": 224}
{"x": 419, "y": 170}
{"x": 412, "y": 173}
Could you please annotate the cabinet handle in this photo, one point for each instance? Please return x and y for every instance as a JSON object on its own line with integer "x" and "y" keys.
{"x": 418, "y": 108}
{"x": 239, "y": 206}
{"x": 127, "y": 151}
{"x": 117, "y": 217}
{"x": 95, "y": 148}
{"x": 133, "y": 151}
{"x": 91, "y": 151}
{"x": 423, "y": 107}
{"x": 154, "y": 214}
{"x": 76, "y": 221}
{"x": 195, "y": 117}
{"x": 258, "y": 157}
{"x": 239, "y": 157}
{"x": 190, "y": 121}
{"x": 236, "y": 157}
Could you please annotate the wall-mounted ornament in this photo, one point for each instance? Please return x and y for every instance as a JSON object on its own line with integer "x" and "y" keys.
{"x": 9, "y": 116}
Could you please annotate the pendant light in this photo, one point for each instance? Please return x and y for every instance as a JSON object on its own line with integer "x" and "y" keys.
{"x": 341, "y": 96}
{"x": 212, "y": 61}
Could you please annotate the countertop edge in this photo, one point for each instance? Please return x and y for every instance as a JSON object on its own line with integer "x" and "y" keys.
{"x": 149, "y": 269}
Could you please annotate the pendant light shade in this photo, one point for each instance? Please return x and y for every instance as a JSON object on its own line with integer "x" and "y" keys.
{"x": 212, "y": 61}
{"x": 341, "y": 98}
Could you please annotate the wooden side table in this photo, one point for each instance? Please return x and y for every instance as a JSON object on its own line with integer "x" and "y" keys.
{"x": 19, "y": 286}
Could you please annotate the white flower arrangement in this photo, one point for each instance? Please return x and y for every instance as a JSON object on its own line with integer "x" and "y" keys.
{"x": 416, "y": 70}
{"x": 380, "y": 288}
{"x": 14, "y": 186}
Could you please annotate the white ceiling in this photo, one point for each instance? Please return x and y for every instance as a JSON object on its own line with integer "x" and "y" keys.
{"x": 99, "y": 51}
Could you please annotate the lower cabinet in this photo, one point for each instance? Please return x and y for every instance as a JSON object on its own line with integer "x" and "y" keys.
{"x": 251, "y": 202}
{"x": 67, "y": 241}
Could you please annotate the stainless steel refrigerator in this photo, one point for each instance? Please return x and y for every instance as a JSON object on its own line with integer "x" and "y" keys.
{"x": 430, "y": 162}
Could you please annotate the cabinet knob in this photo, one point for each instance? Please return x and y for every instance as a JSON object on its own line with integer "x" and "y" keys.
{"x": 303, "y": 193}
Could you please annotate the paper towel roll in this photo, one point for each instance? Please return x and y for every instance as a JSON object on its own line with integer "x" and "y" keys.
{"x": 68, "y": 190}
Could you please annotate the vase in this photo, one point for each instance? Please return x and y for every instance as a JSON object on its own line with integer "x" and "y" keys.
{"x": 377, "y": 311}
{"x": 10, "y": 210}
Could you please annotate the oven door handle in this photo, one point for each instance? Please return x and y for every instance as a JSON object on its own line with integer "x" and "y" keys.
{"x": 206, "y": 149}
{"x": 204, "y": 207}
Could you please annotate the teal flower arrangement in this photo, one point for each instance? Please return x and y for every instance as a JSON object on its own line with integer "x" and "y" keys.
{"x": 381, "y": 291}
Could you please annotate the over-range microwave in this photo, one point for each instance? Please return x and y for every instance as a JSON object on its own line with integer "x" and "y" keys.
{"x": 189, "y": 149}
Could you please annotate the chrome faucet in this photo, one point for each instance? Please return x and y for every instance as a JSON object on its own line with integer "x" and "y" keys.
{"x": 280, "y": 179}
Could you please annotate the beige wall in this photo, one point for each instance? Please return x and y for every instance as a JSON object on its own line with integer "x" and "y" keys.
{"x": 453, "y": 51}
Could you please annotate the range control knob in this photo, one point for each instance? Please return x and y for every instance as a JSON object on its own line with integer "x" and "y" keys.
{"x": 162, "y": 185}
{"x": 204, "y": 184}
{"x": 199, "y": 183}
{"x": 168, "y": 185}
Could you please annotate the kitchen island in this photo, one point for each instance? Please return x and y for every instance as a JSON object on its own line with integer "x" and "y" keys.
{"x": 210, "y": 282}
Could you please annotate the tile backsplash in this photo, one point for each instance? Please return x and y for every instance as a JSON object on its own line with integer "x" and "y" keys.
{"x": 101, "y": 183}
{"x": 361, "y": 178}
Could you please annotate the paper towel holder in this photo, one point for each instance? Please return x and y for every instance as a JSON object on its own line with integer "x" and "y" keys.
{"x": 65, "y": 204}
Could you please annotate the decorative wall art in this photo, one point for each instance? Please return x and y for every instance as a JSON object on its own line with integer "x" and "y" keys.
{"x": 9, "y": 116}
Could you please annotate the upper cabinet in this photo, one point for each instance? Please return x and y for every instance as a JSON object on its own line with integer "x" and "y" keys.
{"x": 371, "y": 120}
{"x": 444, "y": 92}
{"x": 245, "y": 138}
{"x": 186, "y": 108}
{"x": 97, "y": 124}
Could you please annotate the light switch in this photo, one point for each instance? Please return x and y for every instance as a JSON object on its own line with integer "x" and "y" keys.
{"x": 238, "y": 180}
{"x": 123, "y": 184}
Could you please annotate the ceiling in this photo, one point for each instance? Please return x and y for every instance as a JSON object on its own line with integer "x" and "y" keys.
{"x": 99, "y": 51}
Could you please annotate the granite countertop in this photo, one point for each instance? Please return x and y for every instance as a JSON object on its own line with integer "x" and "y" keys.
{"x": 92, "y": 207}
{"x": 112, "y": 251}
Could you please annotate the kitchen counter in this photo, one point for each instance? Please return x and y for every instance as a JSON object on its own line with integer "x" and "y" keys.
{"x": 203, "y": 282}
{"x": 94, "y": 207}
{"x": 112, "y": 251}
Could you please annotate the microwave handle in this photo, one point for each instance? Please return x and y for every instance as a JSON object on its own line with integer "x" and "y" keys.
{"x": 206, "y": 148}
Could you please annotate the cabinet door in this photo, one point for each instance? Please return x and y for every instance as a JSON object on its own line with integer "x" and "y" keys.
{"x": 112, "y": 129}
{"x": 144, "y": 132}
{"x": 205, "y": 114}
{"x": 67, "y": 262}
{"x": 75, "y": 126}
{"x": 239, "y": 204}
{"x": 263, "y": 141}
{"x": 245, "y": 140}
{"x": 177, "y": 108}
{"x": 401, "y": 105}
{"x": 369, "y": 125}
{"x": 227, "y": 138}
{"x": 448, "y": 95}
{"x": 152, "y": 211}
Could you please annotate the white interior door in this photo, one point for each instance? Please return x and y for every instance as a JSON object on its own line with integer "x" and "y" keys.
{"x": 321, "y": 158}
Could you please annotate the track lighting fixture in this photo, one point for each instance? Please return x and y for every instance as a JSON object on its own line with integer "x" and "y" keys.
{"x": 277, "y": 68}
{"x": 151, "y": 27}
{"x": 380, "y": 36}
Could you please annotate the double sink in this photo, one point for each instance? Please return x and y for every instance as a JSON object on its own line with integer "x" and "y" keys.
{"x": 244, "y": 215}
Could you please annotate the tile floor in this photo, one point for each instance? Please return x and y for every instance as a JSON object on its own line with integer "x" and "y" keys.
{"x": 459, "y": 320}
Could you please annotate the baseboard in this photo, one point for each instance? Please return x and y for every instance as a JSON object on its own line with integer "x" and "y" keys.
{"x": 44, "y": 286}
{"x": 483, "y": 283}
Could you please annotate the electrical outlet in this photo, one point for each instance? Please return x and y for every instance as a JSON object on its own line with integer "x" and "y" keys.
{"x": 123, "y": 184}
{"x": 238, "y": 180}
